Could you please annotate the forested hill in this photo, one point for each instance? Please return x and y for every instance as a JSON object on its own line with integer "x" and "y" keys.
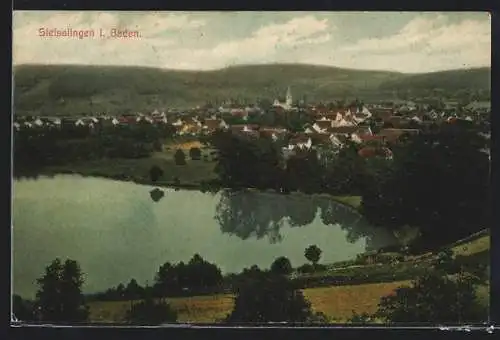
{"x": 455, "y": 80}
{"x": 72, "y": 89}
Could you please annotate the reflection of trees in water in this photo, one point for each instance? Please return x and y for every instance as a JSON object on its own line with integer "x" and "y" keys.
{"x": 253, "y": 214}
{"x": 156, "y": 194}
{"x": 247, "y": 214}
{"x": 354, "y": 224}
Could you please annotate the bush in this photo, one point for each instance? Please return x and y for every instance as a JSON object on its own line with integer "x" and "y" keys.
{"x": 306, "y": 269}
{"x": 155, "y": 173}
{"x": 195, "y": 153}
{"x": 266, "y": 297}
{"x": 281, "y": 266}
{"x": 149, "y": 312}
{"x": 434, "y": 298}
{"x": 363, "y": 318}
{"x": 180, "y": 157}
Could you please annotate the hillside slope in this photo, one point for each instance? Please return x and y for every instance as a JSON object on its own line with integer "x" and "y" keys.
{"x": 474, "y": 79}
{"x": 72, "y": 89}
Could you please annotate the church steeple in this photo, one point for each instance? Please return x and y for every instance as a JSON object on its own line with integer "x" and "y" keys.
{"x": 289, "y": 100}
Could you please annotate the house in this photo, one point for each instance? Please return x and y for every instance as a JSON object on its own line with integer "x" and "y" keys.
{"x": 239, "y": 113}
{"x": 127, "y": 120}
{"x": 212, "y": 124}
{"x": 80, "y": 122}
{"x": 372, "y": 139}
{"x": 344, "y": 121}
{"x": 273, "y": 133}
{"x": 17, "y": 126}
{"x": 177, "y": 123}
{"x": 249, "y": 130}
{"x": 382, "y": 113}
{"x": 393, "y": 135}
{"x": 190, "y": 125}
{"x": 38, "y": 122}
{"x": 451, "y": 105}
{"x": 346, "y": 130}
{"x": 322, "y": 125}
{"x": 301, "y": 142}
{"x": 479, "y": 106}
{"x": 364, "y": 131}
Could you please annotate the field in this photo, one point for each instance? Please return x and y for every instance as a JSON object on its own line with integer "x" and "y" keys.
{"x": 337, "y": 303}
{"x": 194, "y": 172}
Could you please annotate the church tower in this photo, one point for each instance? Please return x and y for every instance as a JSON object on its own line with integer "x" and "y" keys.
{"x": 289, "y": 100}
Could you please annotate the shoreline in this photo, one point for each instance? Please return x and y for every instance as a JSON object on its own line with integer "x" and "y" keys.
{"x": 202, "y": 187}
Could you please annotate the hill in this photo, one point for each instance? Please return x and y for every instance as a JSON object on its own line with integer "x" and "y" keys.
{"x": 73, "y": 89}
{"x": 454, "y": 80}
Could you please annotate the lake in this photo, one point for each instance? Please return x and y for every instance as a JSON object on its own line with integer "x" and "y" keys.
{"x": 120, "y": 230}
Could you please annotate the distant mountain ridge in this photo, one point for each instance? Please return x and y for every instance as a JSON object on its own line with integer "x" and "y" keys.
{"x": 74, "y": 89}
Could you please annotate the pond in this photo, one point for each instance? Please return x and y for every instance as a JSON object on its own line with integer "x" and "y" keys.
{"x": 121, "y": 230}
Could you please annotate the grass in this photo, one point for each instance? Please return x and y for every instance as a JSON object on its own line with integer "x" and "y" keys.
{"x": 473, "y": 246}
{"x": 353, "y": 201}
{"x": 202, "y": 309}
{"x": 193, "y": 172}
{"x": 337, "y": 303}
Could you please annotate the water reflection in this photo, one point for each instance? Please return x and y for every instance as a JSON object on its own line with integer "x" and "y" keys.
{"x": 254, "y": 214}
{"x": 156, "y": 194}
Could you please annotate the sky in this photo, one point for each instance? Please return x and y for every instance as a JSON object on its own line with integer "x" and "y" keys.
{"x": 410, "y": 42}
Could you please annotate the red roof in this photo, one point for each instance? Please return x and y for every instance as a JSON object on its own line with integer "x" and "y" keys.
{"x": 242, "y": 126}
{"x": 320, "y": 138}
{"x": 343, "y": 129}
{"x": 323, "y": 124}
{"x": 127, "y": 120}
{"x": 212, "y": 124}
{"x": 370, "y": 151}
{"x": 369, "y": 138}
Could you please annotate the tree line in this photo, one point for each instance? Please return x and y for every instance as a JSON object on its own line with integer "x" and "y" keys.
{"x": 38, "y": 147}
{"x": 437, "y": 181}
{"x": 445, "y": 294}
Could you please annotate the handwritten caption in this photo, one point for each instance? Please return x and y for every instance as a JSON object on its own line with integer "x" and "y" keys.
{"x": 68, "y": 33}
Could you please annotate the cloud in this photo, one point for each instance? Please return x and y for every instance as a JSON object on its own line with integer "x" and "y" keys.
{"x": 150, "y": 49}
{"x": 196, "y": 40}
{"x": 429, "y": 35}
{"x": 268, "y": 39}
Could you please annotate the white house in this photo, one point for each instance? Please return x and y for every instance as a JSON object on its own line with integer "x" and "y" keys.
{"x": 115, "y": 121}
{"x": 178, "y": 122}
{"x": 80, "y": 122}
{"x": 300, "y": 143}
{"x": 38, "y": 122}
{"x": 17, "y": 126}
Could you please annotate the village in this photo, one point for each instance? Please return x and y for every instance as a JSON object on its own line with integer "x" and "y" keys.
{"x": 320, "y": 127}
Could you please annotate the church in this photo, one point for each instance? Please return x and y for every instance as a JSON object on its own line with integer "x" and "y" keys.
{"x": 287, "y": 105}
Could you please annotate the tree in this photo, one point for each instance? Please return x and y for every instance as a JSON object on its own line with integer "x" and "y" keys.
{"x": 438, "y": 182}
{"x": 133, "y": 291}
{"x": 266, "y": 297}
{"x": 23, "y": 310}
{"x": 166, "y": 280}
{"x": 434, "y": 298}
{"x": 155, "y": 173}
{"x": 151, "y": 312}
{"x": 195, "y": 153}
{"x": 313, "y": 254}
{"x": 60, "y": 297}
{"x": 180, "y": 157}
{"x": 281, "y": 266}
